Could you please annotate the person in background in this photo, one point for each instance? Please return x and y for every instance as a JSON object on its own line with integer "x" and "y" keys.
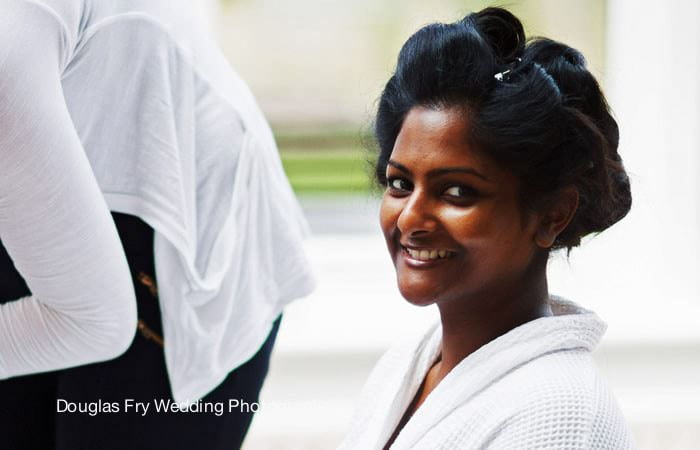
{"x": 124, "y": 120}
{"x": 494, "y": 151}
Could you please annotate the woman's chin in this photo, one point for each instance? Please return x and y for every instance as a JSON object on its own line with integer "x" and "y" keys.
{"x": 418, "y": 297}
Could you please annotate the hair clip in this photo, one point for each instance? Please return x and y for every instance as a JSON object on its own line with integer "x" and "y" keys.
{"x": 499, "y": 76}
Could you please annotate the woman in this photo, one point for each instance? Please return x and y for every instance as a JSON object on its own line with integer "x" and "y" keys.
{"x": 130, "y": 107}
{"x": 493, "y": 152}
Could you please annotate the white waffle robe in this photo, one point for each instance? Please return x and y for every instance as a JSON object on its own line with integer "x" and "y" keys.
{"x": 534, "y": 387}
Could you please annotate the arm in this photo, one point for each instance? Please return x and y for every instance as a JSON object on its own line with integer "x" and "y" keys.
{"x": 53, "y": 219}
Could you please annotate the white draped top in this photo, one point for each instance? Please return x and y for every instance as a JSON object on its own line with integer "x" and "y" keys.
{"x": 535, "y": 387}
{"x": 130, "y": 106}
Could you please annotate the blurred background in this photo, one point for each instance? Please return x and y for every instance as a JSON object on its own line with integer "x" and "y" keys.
{"x": 317, "y": 68}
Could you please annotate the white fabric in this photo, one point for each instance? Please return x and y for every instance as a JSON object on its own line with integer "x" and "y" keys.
{"x": 173, "y": 136}
{"x": 534, "y": 387}
{"x": 53, "y": 219}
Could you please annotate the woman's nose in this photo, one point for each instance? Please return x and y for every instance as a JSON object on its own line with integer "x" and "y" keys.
{"x": 417, "y": 215}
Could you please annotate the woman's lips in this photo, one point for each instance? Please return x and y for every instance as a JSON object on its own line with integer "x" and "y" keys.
{"x": 425, "y": 257}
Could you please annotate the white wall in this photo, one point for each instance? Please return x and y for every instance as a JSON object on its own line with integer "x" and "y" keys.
{"x": 653, "y": 82}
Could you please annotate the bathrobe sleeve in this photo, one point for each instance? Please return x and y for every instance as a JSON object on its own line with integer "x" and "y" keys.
{"x": 54, "y": 221}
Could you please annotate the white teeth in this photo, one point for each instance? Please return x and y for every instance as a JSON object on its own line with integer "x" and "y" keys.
{"x": 427, "y": 255}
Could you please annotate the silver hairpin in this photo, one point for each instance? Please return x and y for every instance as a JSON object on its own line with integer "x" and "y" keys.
{"x": 499, "y": 76}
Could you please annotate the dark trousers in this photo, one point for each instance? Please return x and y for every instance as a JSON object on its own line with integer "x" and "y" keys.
{"x": 87, "y": 408}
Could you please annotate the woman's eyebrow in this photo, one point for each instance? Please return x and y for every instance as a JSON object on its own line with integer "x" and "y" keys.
{"x": 400, "y": 167}
{"x": 467, "y": 170}
{"x": 441, "y": 171}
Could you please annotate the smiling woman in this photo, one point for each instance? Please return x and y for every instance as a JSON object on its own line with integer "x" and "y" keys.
{"x": 453, "y": 203}
{"x": 493, "y": 151}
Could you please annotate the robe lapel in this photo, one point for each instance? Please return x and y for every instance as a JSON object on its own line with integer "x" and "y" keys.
{"x": 577, "y": 328}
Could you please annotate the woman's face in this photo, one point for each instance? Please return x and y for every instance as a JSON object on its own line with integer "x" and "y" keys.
{"x": 450, "y": 215}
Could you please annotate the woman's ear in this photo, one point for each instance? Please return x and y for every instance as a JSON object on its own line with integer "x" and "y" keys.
{"x": 555, "y": 216}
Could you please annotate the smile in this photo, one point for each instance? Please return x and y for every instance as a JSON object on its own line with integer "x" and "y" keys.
{"x": 427, "y": 254}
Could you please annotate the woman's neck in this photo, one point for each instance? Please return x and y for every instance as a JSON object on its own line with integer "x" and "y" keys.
{"x": 470, "y": 324}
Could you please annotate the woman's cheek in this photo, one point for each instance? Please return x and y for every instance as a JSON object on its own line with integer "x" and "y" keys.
{"x": 463, "y": 224}
{"x": 389, "y": 211}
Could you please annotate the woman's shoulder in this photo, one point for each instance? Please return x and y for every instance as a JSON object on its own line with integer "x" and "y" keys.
{"x": 557, "y": 400}
{"x": 561, "y": 397}
{"x": 559, "y": 379}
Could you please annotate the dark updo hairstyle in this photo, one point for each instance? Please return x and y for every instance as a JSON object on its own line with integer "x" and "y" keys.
{"x": 533, "y": 106}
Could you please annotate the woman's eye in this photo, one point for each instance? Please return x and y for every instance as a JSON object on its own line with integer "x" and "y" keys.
{"x": 399, "y": 184}
{"x": 460, "y": 191}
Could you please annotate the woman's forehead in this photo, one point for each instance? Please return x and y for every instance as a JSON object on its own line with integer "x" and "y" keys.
{"x": 448, "y": 126}
{"x": 434, "y": 137}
